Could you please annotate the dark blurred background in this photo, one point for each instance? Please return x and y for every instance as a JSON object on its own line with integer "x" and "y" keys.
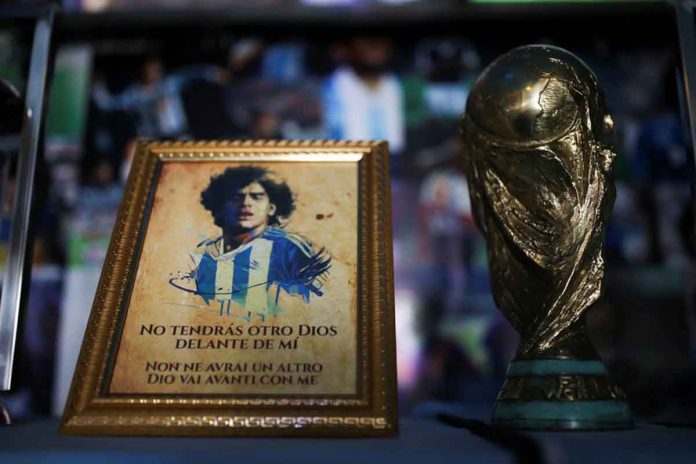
{"x": 356, "y": 69}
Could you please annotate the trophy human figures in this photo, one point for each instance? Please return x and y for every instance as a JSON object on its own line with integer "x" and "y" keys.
{"x": 537, "y": 141}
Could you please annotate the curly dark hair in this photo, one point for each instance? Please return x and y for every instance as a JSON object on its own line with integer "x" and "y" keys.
{"x": 231, "y": 180}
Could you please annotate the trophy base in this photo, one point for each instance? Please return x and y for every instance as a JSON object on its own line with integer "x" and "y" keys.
{"x": 560, "y": 394}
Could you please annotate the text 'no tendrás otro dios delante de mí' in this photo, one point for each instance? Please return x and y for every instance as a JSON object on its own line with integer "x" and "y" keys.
{"x": 235, "y": 337}
{"x": 238, "y": 337}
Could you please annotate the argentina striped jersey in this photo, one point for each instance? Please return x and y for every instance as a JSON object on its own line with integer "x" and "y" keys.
{"x": 245, "y": 275}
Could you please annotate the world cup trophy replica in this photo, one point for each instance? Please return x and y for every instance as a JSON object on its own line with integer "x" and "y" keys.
{"x": 537, "y": 142}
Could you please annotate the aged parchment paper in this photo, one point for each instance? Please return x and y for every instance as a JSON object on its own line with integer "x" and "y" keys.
{"x": 163, "y": 346}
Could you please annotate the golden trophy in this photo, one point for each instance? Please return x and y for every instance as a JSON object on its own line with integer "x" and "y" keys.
{"x": 537, "y": 141}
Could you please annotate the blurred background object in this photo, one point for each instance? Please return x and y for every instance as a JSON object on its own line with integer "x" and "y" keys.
{"x": 394, "y": 70}
{"x": 27, "y": 35}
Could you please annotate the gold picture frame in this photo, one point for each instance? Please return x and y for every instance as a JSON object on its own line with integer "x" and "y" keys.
{"x": 121, "y": 385}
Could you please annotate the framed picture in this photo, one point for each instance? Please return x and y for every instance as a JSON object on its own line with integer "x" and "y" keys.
{"x": 247, "y": 290}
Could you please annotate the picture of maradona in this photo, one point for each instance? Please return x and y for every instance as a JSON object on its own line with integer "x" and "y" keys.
{"x": 245, "y": 269}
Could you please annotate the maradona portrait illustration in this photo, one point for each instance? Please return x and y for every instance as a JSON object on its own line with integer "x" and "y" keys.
{"x": 254, "y": 258}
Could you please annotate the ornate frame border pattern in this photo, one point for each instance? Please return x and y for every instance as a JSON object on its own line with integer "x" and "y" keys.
{"x": 373, "y": 413}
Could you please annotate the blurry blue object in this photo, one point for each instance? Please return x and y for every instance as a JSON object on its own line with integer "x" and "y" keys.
{"x": 284, "y": 63}
{"x": 446, "y": 100}
{"x": 91, "y": 225}
{"x": 663, "y": 164}
{"x": 661, "y": 154}
{"x": 157, "y": 101}
{"x": 355, "y": 111}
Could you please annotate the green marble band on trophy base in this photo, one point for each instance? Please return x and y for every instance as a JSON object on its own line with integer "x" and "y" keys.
{"x": 558, "y": 394}
{"x": 556, "y": 367}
